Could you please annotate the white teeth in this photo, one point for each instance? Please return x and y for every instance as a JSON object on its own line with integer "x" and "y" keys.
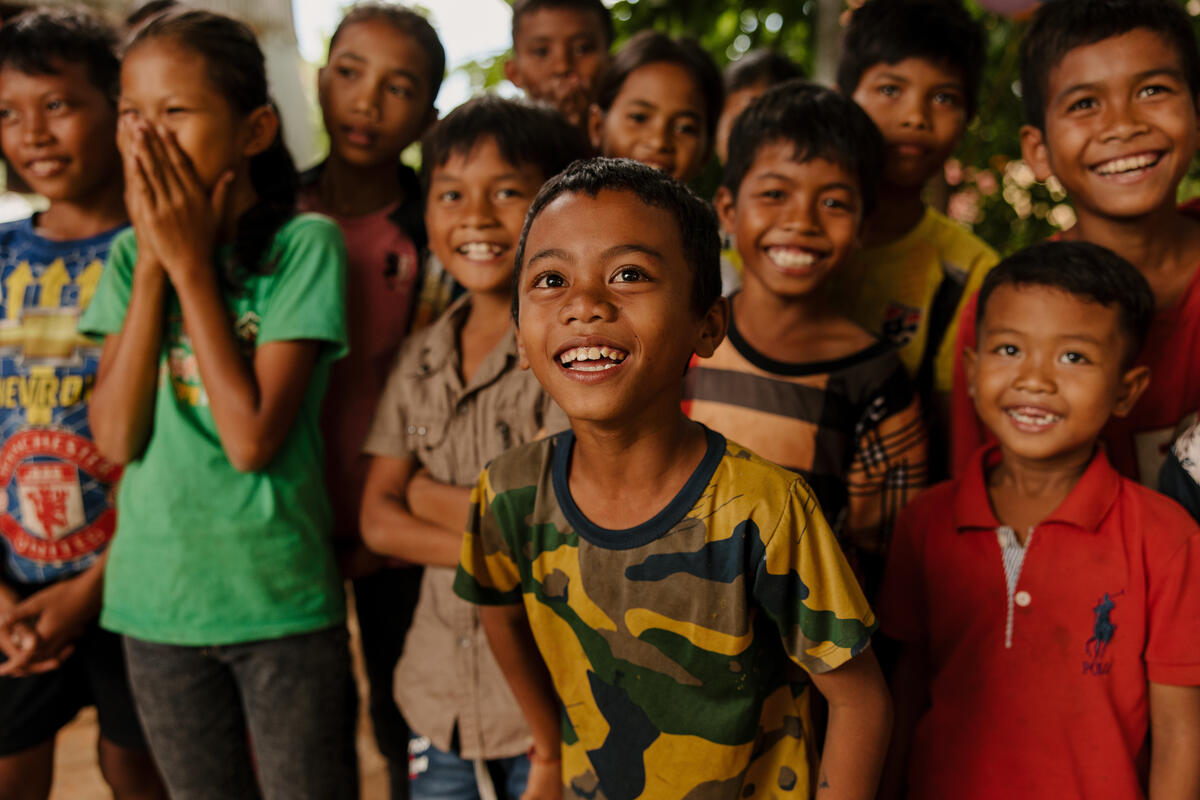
{"x": 1040, "y": 418}
{"x": 579, "y": 354}
{"x": 45, "y": 166}
{"x": 790, "y": 257}
{"x": 480, "y": 251}
{"x": 1119, "y": 165}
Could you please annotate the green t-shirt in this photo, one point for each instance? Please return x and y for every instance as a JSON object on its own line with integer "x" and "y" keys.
{"x": 204, "y": 554}
{"x": 677, "y": 648}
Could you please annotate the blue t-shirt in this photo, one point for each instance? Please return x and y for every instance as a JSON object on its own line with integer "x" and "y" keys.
{"x": 58, "y": 513}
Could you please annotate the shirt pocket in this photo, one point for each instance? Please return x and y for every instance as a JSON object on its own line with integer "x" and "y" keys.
{"x": 427, "y": 435}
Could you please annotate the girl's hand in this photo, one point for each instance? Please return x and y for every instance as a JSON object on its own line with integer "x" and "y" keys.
{"x": 545, "y": 780}
{"x": 137, "y": 194}
{"x": 180, "y": 218}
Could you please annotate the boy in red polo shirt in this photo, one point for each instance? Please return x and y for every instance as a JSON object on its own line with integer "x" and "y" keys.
{"x": 1048, "y": 606}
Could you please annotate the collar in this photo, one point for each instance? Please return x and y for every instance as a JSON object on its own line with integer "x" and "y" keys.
{"x": 1085, "y": 507}
{"x": 440, "y": 349}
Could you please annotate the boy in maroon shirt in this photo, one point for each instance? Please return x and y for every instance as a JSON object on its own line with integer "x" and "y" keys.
{"x": 1047, "y": 605}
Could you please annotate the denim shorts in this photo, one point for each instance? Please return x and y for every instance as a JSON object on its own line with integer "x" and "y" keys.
{"x": 437, "y": 775}
{"x": 270, "y": 719}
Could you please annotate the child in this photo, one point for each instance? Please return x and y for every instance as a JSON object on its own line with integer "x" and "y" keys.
{"x": 673, "y": 583}
{"x": 1180, "y": 475}
{"x": 560, "y": 47}
{"x": 58, "y": 75}
{"x": 454, "y": 401}
{"x": 658, "y": 103}
{"x": 1042, "y": 598}
{"x": 801, "y": 175}
{"x": 376, "y": 93}
{"x": 221, "y": 576}
{"x": 1110, "y": 101}
{"x": 914, "y": 68}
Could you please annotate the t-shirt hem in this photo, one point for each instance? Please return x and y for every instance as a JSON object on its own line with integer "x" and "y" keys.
{"x": 1173, "y": 674}
{"x": 223, "y": 635}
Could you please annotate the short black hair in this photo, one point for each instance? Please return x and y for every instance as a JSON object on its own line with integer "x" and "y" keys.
{"x": 652, "y": 47}
{"x": 1086, "y": 271}
{"x": 524, "y": 134}
{"x": 698, "y": 229}
{"x": 890, "y": 31}
{"x": 1060, "y": 27}
{"x": 147, "y": 10}
{"x": 818, "y": 123}
{"x": 408, "y": 22}
{"x": 33, "y": 41}
{"x": 520, "y": 8}
{"x": 764, "y": 67}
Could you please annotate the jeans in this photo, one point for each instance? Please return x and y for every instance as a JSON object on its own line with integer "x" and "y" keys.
{"x": 289, "y": 696}
{"x": 437, "y": 775}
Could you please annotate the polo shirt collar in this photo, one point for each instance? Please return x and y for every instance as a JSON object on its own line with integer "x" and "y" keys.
{"x": 1085, "y": 507}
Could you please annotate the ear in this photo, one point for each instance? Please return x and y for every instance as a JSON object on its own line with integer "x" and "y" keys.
{"x": 595, "y": 126}
{"x": 522, "y": 356}
{"x": 723, "y": 201}
{"x": 259, "y": 129}
{"x": 1035, "y": 152}
{"x": 512, "y": 73}
{"x": 970, "y": 358}
{"x": 1133, "y": 383}
{"x": 712, "y": 328}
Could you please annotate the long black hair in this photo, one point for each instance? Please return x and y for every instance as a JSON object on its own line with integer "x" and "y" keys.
{"x": 235, "y": 66}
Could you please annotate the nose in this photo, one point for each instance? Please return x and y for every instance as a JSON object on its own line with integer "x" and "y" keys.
{"x": 800, "y": 215}
{"x": 1035, "y": 374}
{"x": 588, "y": 301}
{"x": 915, "y": 113}
{"x": 1121, "y": 120}
{"x": 479, "y": 211}
{"x": 33, "y": 128}
{"x": 368, "y": 98}
{"x": 561, "y": 61}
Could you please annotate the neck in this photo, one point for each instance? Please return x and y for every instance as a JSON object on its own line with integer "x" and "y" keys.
{"x": 637, "y": 456}
{"x": 489, "y": 311}
{"x": 1152, "y": 242}
{"x": 86, "y": 217}
{"x": 898, "y": 211}
{"x": 776, "y": 319}
{"x": 1044, "y": 479}
{"x": 349, "y": 190}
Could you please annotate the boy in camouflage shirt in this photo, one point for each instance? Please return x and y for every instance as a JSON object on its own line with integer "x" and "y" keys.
{"x": 659, "y": 598}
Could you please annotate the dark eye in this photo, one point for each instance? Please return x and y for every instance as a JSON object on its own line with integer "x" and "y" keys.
{"x": 687, "y": 128}
{"x": 1083, "y": 104}
{"x": 7, "y": 113}
{"x": 629, "y": 275}
{"x": 131, "y": 113}
{"x": 55, "y": 105}
{"x": 889, "y": 90}
{"x": 400, "y": 90}
{"x": 508, "y": 193}
{"x": 947, "y": 99}
{"x": 1007, "y": 350}
{"x": 584, "y": 48}
{"x": 1073, "y": 357}
{"x": 539, "y": 52}
{"x": 638, "y": 116}
{"x": 549, "y": 280}
{"x": 449, "y": 196}
{"x": 347, "y": 72}
{"x": 772, "y": 194}
{"x": 1151, "y": 91}
{"x": 836, "y": 203}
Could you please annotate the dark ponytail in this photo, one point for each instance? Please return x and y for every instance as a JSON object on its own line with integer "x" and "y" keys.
{"x": 236, "y": 67}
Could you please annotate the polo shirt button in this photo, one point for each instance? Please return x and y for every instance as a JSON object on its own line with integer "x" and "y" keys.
{"x": 421, "y": 431}
{"x": 1022, "y": 598}
{"x": 464, "y": 641}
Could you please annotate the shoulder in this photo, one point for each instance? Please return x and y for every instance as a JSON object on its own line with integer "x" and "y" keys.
{"x": 14, "y": 232}
{"x": 1153, "y": 515}
{"x": 758, "y": 483}
{"x": 308, "y": 226}
{"x": 522, "y": 467}
{"x": 932, "y": 507}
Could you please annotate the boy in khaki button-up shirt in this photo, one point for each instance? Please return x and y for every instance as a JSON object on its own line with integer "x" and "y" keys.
{"x": 456, "y": 399}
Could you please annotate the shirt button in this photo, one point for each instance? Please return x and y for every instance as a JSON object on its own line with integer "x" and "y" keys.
{"x": 421, "y": 431}
{"x": 464, "y": 641}
{"x": 1022, "y": 598}
{"x": 412, "y": 428}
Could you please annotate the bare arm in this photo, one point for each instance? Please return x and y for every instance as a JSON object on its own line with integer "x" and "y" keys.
{"x": 440, "y": 503}
{"x": 390, "y": 528}
{"x": 910, "y": 690}
{"x": 1174, "y": 742}
{"x": 516, "y": 652}
{"x": 860, "y": 724}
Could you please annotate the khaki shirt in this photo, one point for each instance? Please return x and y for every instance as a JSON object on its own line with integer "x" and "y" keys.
{"x": 447, "y": 674}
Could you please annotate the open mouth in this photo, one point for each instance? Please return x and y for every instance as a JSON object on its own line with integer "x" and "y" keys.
{"x": 591, "y": 359}
{"x": 359, "y": 137}
{"x": 480, "y": 251}
{"x": 794, "y": 258}
{"x": 45, "y": 167}
{"x": 1031, "y": 418}
{"x": 1128, "y": 164}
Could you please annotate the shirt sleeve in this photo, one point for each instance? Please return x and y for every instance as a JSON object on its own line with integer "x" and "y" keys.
{"x": 388, "y": 433}
{"x": 488, "y": 573}
{"x": 308, "y": 297}
{"x": 1173, "y": 657}
{"x": 105, "y": 314}
{"x": 803, "y": 583}
{"x": 902, "y": 598}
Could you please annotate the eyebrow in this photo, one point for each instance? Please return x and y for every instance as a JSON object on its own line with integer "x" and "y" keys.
{"x": 440, "y": 176}
{"x": 1141, "y": 76}
{"x": 778, "y": 176}
{"x": 610, "y": 253}
{"x": 352, "y": 56}
{"x": 1077, "y": 337}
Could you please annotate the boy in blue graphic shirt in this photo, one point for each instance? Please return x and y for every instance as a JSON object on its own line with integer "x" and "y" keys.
{"x": 58, "y": 72}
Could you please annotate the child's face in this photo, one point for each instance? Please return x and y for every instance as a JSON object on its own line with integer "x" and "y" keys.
{"x": 606, "y": 320}
{"x": 794, "y": 221}
{"x": 1120, "y": 126}
{"x": 735, "y": 104}
{"x": 657, "y": 118}
{"x": 57, "y": 131}
{"x": 557, "y": 54}
{"x": 474, "y": 214}
{"x": 165, "y": 85}
{"x": 374, "y": 93}
{"x": 1049, "y": 372}
{"x": 920, "y": 108}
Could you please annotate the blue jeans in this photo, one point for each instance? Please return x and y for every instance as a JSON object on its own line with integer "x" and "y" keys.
{"x": 437, "y": 775}
{"x": 291, "y": 696}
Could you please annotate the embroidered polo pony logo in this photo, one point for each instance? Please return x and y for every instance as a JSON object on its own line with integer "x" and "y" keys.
{"x": 1103, "y": 630}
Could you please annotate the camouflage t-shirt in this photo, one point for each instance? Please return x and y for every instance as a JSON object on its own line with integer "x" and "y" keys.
{"x": 676, "y": 646}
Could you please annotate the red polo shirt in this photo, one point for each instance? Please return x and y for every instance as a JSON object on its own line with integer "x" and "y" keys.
{"x": 1107, "y": 600}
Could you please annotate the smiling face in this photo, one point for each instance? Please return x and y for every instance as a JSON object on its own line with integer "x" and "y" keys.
{"x": 920, "y": 108}
{"x": 1050, "y": 372}
{"x": 374, "y": 93}
{"x": 474, "y": 214}
{"x": 1120, "y": 126}
{"x": 794, "y": 221}
{"x": 58, "y": 131}
{"x": 605, "y": 319}
{"x": 557, "y": 54}
{"x": 657, "y": 118}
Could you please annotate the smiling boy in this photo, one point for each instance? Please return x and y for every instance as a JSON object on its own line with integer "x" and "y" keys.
{"x": 1110, "y": 100}
{"x": 1042, "y": 599}
{"x": 661, "y": 585}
